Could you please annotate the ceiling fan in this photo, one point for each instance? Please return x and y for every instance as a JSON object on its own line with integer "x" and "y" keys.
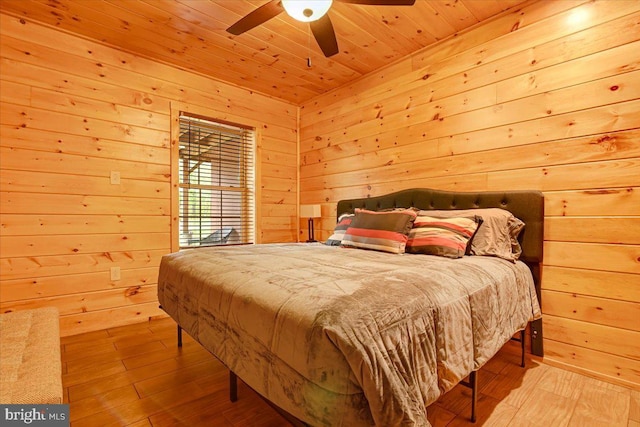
{"x": 312, "y": 11}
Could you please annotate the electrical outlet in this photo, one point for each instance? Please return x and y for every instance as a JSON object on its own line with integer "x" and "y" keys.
{"x": 115, "y": 177}
{"x": 115, "y": 273}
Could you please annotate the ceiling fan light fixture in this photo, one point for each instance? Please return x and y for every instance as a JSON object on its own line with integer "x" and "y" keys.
{"x": 306, "y": 10}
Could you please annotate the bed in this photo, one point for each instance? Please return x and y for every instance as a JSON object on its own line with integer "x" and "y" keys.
{"x": 352, "y": 336}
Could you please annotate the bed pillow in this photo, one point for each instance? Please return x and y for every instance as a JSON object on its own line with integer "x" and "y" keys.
{"x": 344, "y": 221}
{"x": 498, "y": 234}
{"x": 515, "y": 228}
{"x": 447, "y": 237}
{"x": 379, "y": 231}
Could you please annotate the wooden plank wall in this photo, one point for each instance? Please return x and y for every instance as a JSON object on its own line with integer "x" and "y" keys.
{"x": 546, "y": 97}
{"x": 72, "y": 112}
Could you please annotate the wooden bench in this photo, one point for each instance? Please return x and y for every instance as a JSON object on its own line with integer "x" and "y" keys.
{"x": 30, "y": 357}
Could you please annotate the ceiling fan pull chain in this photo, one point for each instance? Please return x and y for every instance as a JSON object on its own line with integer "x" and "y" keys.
{"x": 308, "y": 46}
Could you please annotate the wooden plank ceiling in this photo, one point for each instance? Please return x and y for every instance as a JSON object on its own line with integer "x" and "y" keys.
{"x": 271, "y": 58}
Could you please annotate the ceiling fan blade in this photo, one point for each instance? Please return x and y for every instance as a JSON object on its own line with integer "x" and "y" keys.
{"x": 257, "y": 17}
{"x": 322, "y": 30}
{"x": 381, "y": 2}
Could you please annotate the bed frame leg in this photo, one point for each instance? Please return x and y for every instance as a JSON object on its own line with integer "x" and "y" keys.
{"x": 535, "y": 328}
{"x": 179, "y": 336}
{"x": 522, "y": 345}
{"x": 233, "y": 386}
{"x": 473, "y": 380}
{"x": 522, "y": 334}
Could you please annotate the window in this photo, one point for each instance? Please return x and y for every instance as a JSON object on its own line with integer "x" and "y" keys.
{"x": 216, "y": 183}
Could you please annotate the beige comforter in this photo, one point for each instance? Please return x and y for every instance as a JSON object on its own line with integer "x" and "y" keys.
{"x": 341, "y": 336}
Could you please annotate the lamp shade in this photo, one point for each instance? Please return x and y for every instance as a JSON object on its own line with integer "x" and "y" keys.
{"x": 310, "y": 211}
{"x": 306, "y": 10}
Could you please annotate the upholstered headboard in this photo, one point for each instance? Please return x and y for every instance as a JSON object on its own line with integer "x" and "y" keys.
{"x": 525, "y": 205}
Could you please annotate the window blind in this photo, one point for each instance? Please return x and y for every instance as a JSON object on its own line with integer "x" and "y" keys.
{"x": 216, "y": 180}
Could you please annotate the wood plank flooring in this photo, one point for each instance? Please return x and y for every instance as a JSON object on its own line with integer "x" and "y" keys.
{"x": 136, "y": 376}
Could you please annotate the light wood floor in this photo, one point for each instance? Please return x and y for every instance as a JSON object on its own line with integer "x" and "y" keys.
{"x": 136, "y": 376}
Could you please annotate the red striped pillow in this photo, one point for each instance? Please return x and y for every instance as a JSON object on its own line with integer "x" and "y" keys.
{"x": 379, "y": 231}
{"x": 447, "y": 237}
{"x": 344, "y": 221}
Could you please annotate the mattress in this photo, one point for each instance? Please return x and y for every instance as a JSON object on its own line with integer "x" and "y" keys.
{"x": 339, "y": 336}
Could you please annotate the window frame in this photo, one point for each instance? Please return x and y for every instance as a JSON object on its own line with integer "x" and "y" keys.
{"x": 209, "y": 115}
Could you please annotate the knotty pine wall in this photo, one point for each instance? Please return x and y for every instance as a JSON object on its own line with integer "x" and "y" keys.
{"x": 72, "y": 111}
{"x": 547, "y": 98}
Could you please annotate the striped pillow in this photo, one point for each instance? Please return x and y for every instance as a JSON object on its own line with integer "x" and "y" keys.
{"x": 379, "y": 231}
{"x": 498, "y": 234}
{"x": 344, "y": 221}
{"x": 447, "y": 237}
